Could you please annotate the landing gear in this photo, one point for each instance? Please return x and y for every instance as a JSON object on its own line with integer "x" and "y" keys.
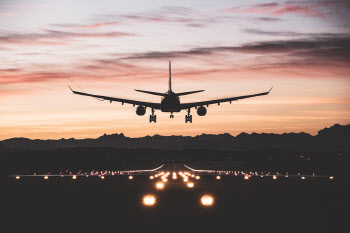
{"x": 171, "y": 115}
{"x": 188, "y": 117}
{"x": 152, "y": 117}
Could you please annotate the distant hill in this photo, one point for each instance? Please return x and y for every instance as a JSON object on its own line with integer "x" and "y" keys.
{"x": 335, "y": 137}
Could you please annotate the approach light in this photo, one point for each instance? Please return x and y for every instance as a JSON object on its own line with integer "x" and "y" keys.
{"x": 151, "y": 177}
{"x": 160, "y": 185}
{"x": 190, "y": 184}
{"x": 218, "y": 177}
{"x": 198, "y": 177}
{"x": 246, "y": 177}
{"x": 46, "y": 177}
{"x": 207, "y": 200}
{"x": 274, "y": 177}
{"x": 102, "y": 177}
{"x": 74, "y": 177}
{"x": 17, "y": 177}
{"x": 131, "y": 177}
{"x": 149, "y": 200}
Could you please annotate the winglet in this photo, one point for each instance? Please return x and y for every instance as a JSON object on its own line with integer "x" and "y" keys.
{"x": 270, "y": 90}
{"x": 70, "y": 88}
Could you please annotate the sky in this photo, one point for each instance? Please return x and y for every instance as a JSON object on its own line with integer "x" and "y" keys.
{"x": 228, "y": 48}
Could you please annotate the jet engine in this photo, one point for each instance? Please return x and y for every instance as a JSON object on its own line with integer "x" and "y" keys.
{"x": 140, "y": 110}
{"x": 201, "y": 111}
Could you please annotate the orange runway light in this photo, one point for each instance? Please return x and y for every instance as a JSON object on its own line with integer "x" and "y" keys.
{"x": 190, "y": 185}
{"x": 165, "y": 180}
{"x": 246, "y": 177}
{"x": 151, "y": 177}
{"x": 198, "y": 177}
{"x": 207, "y": 200}
{"x": 149, "y": 200}
{"x": 218, "y": 177}
{"x": 160, "y": 185}
{"x": 185, "y": 179}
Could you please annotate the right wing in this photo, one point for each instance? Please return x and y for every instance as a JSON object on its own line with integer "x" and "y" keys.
{"x": 133, "y": 102}
{"x": 218, "y": 101}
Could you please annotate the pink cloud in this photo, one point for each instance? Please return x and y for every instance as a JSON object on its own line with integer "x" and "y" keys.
{"x": 313, "y": 9}
{"x": 95, "y": 25}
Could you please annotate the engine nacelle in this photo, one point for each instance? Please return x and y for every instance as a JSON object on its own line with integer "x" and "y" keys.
{"x": 140, "y": 110}
{"x": 201, "y": 111}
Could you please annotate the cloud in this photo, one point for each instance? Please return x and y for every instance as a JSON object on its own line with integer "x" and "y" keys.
{"x": 53, "y": 37}
{"x": 305, "y": 8}
{"x": 87, "y": 26}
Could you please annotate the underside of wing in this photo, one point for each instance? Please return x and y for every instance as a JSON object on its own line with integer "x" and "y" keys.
{"x": 218, "y": 101}
{"x": 127, "y": 101}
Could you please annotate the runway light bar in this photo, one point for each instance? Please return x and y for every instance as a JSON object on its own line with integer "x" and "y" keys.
{"x": 160, "y": 185}
{"x": 149, "y": 200}
{"x": 190, "y": 185}
{"x": 207, "y": 200}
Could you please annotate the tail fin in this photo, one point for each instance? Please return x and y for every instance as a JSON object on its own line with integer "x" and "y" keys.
{"x": 169, "y": 87}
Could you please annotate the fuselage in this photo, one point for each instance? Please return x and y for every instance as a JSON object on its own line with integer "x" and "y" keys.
{"x": 170, "y": 102}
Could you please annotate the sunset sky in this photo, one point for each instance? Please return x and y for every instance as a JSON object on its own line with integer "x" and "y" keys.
{"x": 229, "y": 48}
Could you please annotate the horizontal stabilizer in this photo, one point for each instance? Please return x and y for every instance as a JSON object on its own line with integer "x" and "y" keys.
{"x": 189, "y": 92}
{"x": 151, "y": 92}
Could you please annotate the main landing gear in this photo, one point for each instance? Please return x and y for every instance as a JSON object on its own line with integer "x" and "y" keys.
{"x": 171, "y": 115}
{"x": 188, "y": 117}
{"x": 153, "y": 117}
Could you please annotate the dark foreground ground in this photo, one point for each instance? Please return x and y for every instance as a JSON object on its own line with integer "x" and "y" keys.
{"x": 33, "y": 204}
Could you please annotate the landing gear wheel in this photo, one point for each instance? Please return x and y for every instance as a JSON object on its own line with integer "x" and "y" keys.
{"x": 153, "y": 118}
{"x": 171, "y": 116}
{"x": 188, "y": 118}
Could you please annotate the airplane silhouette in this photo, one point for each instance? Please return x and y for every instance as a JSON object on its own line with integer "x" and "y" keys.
{"x": 170, "y": 102}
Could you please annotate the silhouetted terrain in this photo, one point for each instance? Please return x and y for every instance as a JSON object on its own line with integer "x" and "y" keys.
{"x": 336, "y": 136}
{"x": 325, "y": 153}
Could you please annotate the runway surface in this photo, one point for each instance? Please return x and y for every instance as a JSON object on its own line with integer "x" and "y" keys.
{"x": 247, "y": 201}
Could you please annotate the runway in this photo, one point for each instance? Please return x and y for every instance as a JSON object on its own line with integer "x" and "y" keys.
{"x": 115, "y": 202}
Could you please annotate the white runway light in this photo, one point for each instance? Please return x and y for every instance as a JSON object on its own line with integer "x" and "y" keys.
{"x": 160, "y": 185}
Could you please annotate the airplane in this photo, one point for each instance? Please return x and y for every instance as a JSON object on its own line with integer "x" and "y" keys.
{"x": 170, "y": 102}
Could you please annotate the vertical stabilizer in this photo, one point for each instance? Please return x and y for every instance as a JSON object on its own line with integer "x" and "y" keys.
{"x": 169, "y": 87}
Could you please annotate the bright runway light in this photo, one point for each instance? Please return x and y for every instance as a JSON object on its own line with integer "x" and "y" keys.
{"x": 207, "y": 200}
{"x": 17, "y": 177}
{"x": 185, "y": 179}
{"x": 151, "y": 177}
{"x": 102, "y": 177}
{"x": 198, "y": 177}
{"x": 74, "y": 177}
{"x": 192, "y": 175}
{"x": 190, "y": 184}
{"x": 331, "y": 177}
{"x": 165, "y": 180}
{"x": 274, "y": 177}
{"x": 246, "y": 177}
{"x": 149, "y": 200}
{"x": 46, "y": 177}
{"x": 160, "y": 185}
{"x": 218, "y": 177}
{"x": 303, "y": 177}
{"x": 131, "y": 177}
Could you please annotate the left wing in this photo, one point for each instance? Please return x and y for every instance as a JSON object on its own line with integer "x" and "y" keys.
{"x": 218, "y": 101}
{"x": 134, "y": 102}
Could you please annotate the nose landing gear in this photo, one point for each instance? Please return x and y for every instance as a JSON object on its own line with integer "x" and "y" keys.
{"x": 152, "y": 117}
{"x": 188, "y": 117}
